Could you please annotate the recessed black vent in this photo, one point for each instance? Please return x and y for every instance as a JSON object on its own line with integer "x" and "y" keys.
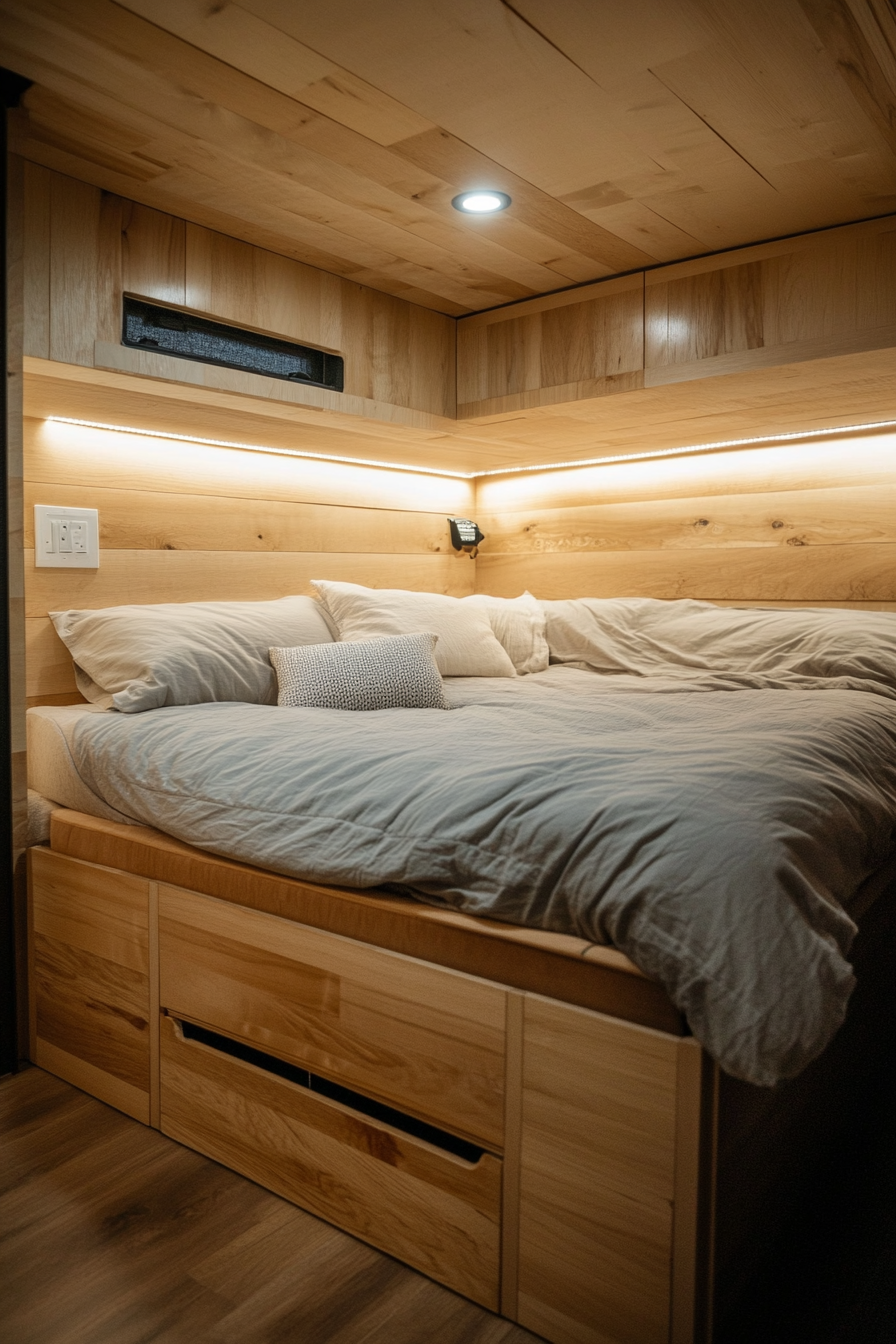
{"x": 170, "y": 332}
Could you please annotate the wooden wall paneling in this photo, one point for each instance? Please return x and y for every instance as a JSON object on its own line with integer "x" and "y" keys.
{"x": 83, "y": 289}
{"x": 828, "y": 517}
{"x": 597, "y": 1177}
{"x": 823, "y": 294}
{"x": 865, "y": 573}
{"x": 544, "y": 351}
{"x": 89, "y": 964}
{"x": 37, "y": 260}
{"x": 80, "y": 455}
{"x": 159, "y": 520}
{"x": 153, "y": 254}
{"x": 394, "y": 352}
{"x": 239, "y": 283}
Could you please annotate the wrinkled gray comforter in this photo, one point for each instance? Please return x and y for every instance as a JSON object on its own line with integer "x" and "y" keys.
{"x": 717, "y": 839}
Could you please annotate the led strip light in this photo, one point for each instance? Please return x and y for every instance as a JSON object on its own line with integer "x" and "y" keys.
{"x": 795, "y": 436}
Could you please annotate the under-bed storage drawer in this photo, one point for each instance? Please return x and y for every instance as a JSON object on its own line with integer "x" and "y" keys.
{"x": 426, "y": 1040}
{"x": 430, "y": 1208}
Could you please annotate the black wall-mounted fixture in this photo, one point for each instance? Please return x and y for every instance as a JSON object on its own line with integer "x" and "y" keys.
{"x": 465, "y": 536}
{"x": 147, "y": 326}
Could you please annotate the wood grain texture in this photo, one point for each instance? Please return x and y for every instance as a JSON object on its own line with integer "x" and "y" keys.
{"x": 554, "y": 964}
{"x": 840, "y": 516}
{"x": 776, "y": 303}
{"x": 339, "y": 140}
{"x": 557, "y": 353}
{"x": 155, "y": 520}
{"x": 199, "y": 1252}
{"x": 101, "y": 245}
{"x": 597, "y": 1178}
{"x": 802, "y": 574}
{"x": 207, "y": 576}
{"x": 419, "y": 1037}
{"x": 434, "y": 1211}
{"x": 89, "y": 970}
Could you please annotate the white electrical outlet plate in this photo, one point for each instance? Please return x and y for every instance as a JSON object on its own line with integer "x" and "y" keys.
{"x": 66, "y": 538}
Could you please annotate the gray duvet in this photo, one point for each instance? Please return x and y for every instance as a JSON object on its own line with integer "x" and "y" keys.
{"x": 717, "y": 839}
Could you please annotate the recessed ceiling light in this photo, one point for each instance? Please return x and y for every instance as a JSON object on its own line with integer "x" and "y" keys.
{"x": 481, "y": 202}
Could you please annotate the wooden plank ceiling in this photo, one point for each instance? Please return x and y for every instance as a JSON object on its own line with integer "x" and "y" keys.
{"x": 627, "y": 132}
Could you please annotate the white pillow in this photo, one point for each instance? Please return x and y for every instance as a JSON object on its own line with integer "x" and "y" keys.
{"x": 467, "y": 644}
{"x": 519, "y": 624}
{"x": 185, "y": 653}
{"x": 398, "y": 672}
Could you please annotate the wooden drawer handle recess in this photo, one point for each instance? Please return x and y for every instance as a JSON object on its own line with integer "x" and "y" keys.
{"x": 356, "y": 1101}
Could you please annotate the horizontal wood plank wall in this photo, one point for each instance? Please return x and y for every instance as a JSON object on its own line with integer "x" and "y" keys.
{"x": 802, "y": 523}
{"x": 184, "y": 522}
{"x": 85, "y": 248}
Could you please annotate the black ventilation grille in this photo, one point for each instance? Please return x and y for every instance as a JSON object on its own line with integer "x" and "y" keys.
{"x": 149, "y": 327}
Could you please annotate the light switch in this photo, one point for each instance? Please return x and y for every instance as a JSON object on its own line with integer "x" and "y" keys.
{"x": 66, "y": 538}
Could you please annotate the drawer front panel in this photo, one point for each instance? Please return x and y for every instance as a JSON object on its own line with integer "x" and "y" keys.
{"x": 428, "y": 1208}
{"x": 426, "y": 1040}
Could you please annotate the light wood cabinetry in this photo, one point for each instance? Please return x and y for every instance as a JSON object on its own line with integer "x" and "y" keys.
{"x": 86, "y": 248}
{"x": 91, "y": 1013}
{"x": 814, "y": 297}
{"x": 427, "y": 1040}
{"x": 565, "y": 347}
{"x": 831, "y": 293}
{"x": 597, "y": 1177}
{"x": 540, "y": 1158}
{"x": 433, "y": 1210}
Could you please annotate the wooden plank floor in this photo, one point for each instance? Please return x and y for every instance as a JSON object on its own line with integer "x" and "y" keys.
{"x": 111, "y": 1233}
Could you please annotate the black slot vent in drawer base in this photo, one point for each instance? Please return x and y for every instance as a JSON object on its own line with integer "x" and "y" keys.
{"x": 356, "y": 1101}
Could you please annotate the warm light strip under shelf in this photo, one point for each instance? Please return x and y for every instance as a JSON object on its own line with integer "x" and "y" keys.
{"x": 791, "y": 437}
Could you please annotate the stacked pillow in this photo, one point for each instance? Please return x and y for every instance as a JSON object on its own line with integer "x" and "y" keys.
{"x": 478, "y": 636}
{"x": 185, "y": 653}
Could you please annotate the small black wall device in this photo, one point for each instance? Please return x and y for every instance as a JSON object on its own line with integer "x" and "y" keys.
{"x": 465, "y": 535}
{"x": 146, "y": 326}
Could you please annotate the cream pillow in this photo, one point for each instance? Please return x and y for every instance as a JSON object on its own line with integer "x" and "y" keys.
{"x": 467, "y": 644}
{"x": 185, "y": 653}
{"x": 519, "y": 624}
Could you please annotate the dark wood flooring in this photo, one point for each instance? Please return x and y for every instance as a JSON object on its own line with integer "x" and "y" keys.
{"x": 111, "y": 1233}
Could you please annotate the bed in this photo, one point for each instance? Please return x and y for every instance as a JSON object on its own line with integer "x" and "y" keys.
{"x": 546, "y": 845}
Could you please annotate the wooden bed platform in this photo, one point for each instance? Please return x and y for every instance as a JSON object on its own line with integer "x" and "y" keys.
{"x": 517, "y": 1113}
{"x": 520, "y": 1115}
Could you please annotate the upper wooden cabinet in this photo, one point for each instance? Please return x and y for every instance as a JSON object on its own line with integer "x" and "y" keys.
{"x": 563, "y": 347}
{"x": 806, "y": 298}
{"x": 86, "y": 248}
{"x": 822, "y": 294}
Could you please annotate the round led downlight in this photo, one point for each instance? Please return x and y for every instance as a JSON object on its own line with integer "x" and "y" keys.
{"x": 481, "y": 202}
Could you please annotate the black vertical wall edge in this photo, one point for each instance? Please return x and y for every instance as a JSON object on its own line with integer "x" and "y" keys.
{"x": 12, "y": 87}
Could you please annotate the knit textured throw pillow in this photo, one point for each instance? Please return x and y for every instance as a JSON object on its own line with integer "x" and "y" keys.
{"x": 397, "y": 672}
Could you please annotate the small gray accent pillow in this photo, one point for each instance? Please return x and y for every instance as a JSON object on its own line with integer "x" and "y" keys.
{"x": 396, "y": 672}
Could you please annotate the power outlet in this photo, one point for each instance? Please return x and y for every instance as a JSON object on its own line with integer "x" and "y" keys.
{"x": 66, "y": 538}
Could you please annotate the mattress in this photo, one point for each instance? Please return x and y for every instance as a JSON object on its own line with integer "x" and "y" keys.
{"x": 716, "y": 839}
{"x": 52, "y": 773}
